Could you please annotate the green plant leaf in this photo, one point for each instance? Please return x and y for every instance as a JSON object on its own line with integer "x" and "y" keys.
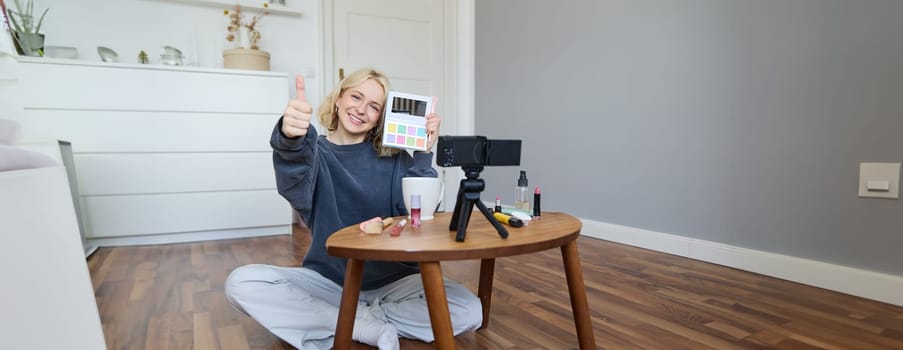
{"x": 38, "y": 28}
{"x": 22, "y": 18}
{"x": 29, "y": 9}
{"x": 24, "y": 13}
{"x": 13, "y": 20}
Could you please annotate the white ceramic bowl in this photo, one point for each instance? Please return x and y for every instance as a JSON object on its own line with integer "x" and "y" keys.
{"x": 67, "y": 52}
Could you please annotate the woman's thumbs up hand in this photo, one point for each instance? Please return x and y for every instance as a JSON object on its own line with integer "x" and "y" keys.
{"x": 296, "y": 118}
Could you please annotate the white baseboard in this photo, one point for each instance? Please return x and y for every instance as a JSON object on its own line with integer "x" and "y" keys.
{"x": 862, "y": 283}
{"x": 191, "y": 236}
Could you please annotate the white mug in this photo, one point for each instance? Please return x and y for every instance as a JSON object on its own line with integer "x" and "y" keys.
{"x": 430, "y": 190}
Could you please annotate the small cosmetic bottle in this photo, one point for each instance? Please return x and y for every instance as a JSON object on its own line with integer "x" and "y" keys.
{"x": 415, "y": 210}
{"x": 498, "y": 204}
{"x": 521, "y": 192}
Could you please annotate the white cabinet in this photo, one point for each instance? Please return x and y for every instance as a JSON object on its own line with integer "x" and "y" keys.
{"x": 163, "y": 154}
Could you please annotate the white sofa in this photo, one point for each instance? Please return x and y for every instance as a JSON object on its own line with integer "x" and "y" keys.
{"x": 47, "y": 298}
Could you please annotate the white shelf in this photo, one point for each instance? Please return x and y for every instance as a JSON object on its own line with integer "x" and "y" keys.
{"x": 275, "y": 9}
{"x": 137, "y": 66}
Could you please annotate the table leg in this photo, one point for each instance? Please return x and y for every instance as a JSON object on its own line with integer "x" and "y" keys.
{"x": 578, "y": 295}
{"x": 348, "y": 308}
{"x": 487, "y": 269}
{"x": 437, "y": 303}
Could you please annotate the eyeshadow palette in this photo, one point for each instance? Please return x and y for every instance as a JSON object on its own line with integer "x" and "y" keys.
{"x": 405, "y": 121}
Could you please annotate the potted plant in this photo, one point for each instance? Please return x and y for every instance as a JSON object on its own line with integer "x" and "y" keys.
{"x": 27, "y": 32}
{"x": 246, "y": 54}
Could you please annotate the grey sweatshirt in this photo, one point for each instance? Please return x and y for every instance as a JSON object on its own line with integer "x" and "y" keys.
{"x": 334, "y": 186}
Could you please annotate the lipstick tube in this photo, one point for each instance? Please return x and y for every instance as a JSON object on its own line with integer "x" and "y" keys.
{"x": 396, "y": 230}
{"x": 536, "y": 195}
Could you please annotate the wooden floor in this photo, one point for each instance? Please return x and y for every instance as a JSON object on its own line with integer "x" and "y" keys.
{"x": 171, "y": 297}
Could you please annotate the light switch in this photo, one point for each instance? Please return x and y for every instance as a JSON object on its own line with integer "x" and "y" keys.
{"x": 881, "y": 180}
{"x": 879, "y": 186}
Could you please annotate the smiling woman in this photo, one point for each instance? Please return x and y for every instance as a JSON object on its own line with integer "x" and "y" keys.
{"x": 336, "y": 180}
{"x": 352, "y": 111}
{"x": 357, "y": 112}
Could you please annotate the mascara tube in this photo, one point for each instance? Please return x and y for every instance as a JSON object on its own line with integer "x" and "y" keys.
{"x": 508, "y": 220}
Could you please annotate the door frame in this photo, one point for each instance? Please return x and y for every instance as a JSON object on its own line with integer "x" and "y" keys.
{"x": 459, "y": 27}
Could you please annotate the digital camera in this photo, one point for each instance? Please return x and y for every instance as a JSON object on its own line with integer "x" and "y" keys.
{"x": 476, "y": 151}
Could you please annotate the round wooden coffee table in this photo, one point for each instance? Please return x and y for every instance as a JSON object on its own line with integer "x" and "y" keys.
{"x": 432, "y": 243}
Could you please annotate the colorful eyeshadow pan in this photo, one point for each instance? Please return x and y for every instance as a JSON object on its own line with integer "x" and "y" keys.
{"x": 406, "y": 136}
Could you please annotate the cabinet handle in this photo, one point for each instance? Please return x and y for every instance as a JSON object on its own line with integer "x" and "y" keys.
{"x": 341, "y": 74}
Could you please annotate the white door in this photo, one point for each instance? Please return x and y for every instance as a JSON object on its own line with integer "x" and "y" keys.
{"x": 402, "y": 38}
{"x": 408, "y": 41}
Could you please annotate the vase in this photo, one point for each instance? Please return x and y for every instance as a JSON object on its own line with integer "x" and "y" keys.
{"x": 243, "y": 37}
{"x": 30, "y": 44}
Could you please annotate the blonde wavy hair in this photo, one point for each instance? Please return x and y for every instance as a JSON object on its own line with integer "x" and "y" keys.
{"x": 329, "y": 115}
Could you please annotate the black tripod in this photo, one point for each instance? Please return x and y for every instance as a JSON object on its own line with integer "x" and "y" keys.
{"x": 468, "y": 196}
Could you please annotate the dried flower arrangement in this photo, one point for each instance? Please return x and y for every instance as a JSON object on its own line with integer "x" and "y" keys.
{"x": 237, "y": 23}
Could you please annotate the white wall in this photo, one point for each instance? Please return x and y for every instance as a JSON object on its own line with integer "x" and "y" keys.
{"x": 129, "y": 26}
{"x": 735, "y": 127}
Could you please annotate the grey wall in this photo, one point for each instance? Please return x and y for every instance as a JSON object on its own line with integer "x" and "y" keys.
{"x": 735, "y": 121}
